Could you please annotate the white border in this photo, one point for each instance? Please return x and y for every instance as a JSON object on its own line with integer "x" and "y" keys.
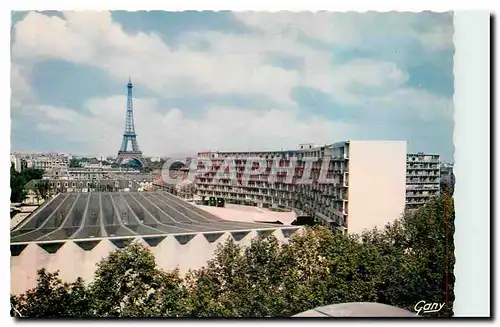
{"x": 471, "y": 119}
{"x": 472, "y": 155}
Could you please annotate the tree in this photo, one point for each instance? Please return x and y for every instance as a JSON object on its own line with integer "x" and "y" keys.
{"x": 267, "y": 279}
{"x": 128, "y": 284}
{"x": 418, "y": 252}
{"x": 52, "y": 298}
{"x": 74, "y": 163}
{"x": 18, "y": 191}
{"x": 32, "y": 173}
{"x": 408, "y": 261}
{"x": 42, "y": 189}
{"x": 18, "y": 181}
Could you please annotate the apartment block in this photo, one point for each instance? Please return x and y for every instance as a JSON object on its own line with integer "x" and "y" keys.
{"x": 44, "y": 161}
{"x": 422, "y": 179}
{"x": 347, "y": 186}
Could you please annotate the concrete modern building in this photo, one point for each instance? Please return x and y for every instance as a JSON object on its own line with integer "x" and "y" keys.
{"x": 351, "y": 185}
{"x": 422, "y": 179}
{"x": 73, "y": 231}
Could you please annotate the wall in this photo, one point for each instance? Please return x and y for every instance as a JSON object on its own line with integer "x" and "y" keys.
{"x": 377, "y": 183}
{"x": 73, "y": 261}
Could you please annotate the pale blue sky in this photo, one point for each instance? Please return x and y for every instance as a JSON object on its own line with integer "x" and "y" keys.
{"x": 231, "y": 81}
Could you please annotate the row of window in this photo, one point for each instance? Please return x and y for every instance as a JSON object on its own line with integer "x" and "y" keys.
{"x": 80, "y": 184}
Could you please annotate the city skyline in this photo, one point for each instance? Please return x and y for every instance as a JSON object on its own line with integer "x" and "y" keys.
{"x": 231, "y": 81}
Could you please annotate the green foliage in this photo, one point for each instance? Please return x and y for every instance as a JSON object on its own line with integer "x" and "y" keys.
{"x": 418, "y": 252}
{"x": 128, "y": 284}
{"x": 75, "y": 163}
{"x": 18, "y": 181}
{"x": 52, "y": 298}
{"x": 406, "y": 262}
{"x": 42, "y": 189}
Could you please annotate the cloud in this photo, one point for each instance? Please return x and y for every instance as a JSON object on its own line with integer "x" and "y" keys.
{"x": 21, "y": 92}
{"x": 355, "y": 29}
{"x": 237, "y": 64}
{"x": 92, "y": 38}
{"x": 169, "y": 131}
{"x": 233, "y": 64}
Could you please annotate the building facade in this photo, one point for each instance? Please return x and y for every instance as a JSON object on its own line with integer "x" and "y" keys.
{"x": 16, "y": 162}
{"x": 447, "y": 178}
{"x": 89, "y": 173}
{"x": 351, "y": 185}
{"x": 422, "y": 179}
{"x": 44, "y": 161}
{"x": 87, "y": 185}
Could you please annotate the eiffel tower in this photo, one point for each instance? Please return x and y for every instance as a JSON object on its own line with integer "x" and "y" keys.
{"x": 129, "y": 135}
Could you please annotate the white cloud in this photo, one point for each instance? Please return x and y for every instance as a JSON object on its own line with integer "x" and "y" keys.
{"x": 369, "y": 74}
{"x": 21, "y": 92}
{"x": 233, "y": 63}
{"x": 92, "y": 38}
{"x": 169, "y": 131}
{"x": 350, "y": 29}
{"x": 416, "y": 104}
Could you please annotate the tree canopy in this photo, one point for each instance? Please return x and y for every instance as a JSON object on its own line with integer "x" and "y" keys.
{"x": 76, "y": 163}
{"x": 408, "y": 261}
{"x": 18, "y": 181}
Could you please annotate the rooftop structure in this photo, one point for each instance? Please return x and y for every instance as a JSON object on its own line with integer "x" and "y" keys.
{"x": 73, "y": 231}
{"x": 356, "y": 309}
{"x": 109, "y": 214}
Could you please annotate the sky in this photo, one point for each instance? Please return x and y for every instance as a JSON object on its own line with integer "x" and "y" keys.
{"x": 230, "y": 81}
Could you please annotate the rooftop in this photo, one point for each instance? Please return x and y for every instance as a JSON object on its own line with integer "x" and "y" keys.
{"x": 77, "y": 216}
{"x": 356, "y": 309}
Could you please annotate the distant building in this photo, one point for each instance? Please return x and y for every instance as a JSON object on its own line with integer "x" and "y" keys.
{"x": 39, "y": 161}
{"x": 92, "y": 163}
{"x": 45, "y": 161}
{"x": 87, "y": 185}
{"x": 98, "y": 173}
{"x": 447, "y": 178}
{"x": 422, "y": 178}
{"x": 16, "y": 162}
